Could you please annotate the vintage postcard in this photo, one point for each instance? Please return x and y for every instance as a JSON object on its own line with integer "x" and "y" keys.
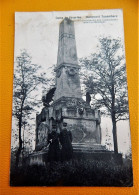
{"x": 70, "y": 119}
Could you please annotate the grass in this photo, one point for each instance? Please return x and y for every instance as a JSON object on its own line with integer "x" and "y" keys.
{"x": 73, "y": 173}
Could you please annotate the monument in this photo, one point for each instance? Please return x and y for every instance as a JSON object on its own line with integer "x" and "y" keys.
{"x": 68, "y": 105}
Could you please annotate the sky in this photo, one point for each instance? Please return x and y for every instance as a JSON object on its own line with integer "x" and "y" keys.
{"x": 38, "y": 33}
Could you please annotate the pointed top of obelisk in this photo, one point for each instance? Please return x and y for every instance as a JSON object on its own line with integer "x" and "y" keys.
{"x": 67, "y": 46}
{"x": 67, "y": 26}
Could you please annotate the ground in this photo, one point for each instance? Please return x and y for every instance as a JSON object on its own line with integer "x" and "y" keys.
{"x": 74, "y": 173}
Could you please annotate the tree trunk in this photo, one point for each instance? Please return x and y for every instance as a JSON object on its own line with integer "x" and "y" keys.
{"x": 20, "y": 145}
{"x": 113, "y": 118}
{"x": 114, "y": 134}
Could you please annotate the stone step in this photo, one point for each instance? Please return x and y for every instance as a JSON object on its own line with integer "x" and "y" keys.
{"x": 87, "y": 144}
{"x": 92, "y": 151}
{"x": 88, "y": 147}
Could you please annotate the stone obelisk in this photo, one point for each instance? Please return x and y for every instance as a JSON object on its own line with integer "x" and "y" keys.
{"x": 67, "y": 70}
{"x": 68, "y": 106}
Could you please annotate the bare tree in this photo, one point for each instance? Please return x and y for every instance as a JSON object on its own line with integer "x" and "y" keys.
{"x": 106, "y": 80}
{"x": 27, "y": 78}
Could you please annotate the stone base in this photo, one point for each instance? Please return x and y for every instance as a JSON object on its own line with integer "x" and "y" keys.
{"x": 95, "y": 152}
{"x": 80, "y": 152}
{"x": 37, "y": 158}
{"x": 105, "y": 156}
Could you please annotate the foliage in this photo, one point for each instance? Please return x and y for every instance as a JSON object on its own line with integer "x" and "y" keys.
{"x": 27, "y": 79}
{"x": 104, "y": 76}
{"x": 107, "y": 78}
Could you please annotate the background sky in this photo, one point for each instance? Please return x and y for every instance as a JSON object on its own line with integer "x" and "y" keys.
{"x": 38, "y": 33}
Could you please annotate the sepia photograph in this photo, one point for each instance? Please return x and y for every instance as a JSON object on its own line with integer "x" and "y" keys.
{"x": 70, "y": 116}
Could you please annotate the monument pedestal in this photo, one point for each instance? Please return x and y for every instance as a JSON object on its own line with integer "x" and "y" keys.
{"x": 81, "y": 119}
{"x": 82, "y": 153}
